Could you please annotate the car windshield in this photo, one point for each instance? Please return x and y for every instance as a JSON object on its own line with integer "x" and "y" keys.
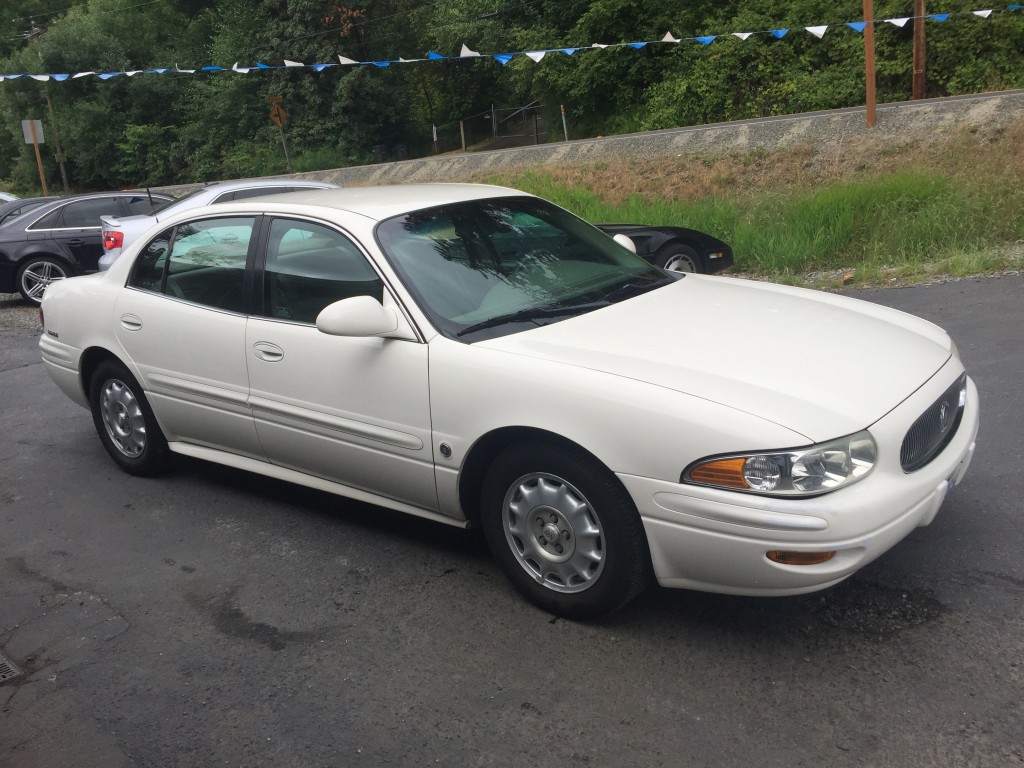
{"x": 487, "y": 268}
{"x": 163, "y": 206}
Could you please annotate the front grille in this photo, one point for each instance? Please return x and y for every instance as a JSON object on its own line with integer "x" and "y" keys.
{"x": 935, "y": 428}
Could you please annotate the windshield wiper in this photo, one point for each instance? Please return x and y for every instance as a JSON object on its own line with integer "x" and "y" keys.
{"x": 532, "y": 313}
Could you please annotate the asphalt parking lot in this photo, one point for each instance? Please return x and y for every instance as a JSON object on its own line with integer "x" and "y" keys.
{"x": 211, "y": 617}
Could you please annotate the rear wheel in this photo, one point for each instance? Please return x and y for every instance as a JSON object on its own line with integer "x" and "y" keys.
{"x": 37, "y": 273}
{"x": 564, "y": 530}
{"x": 678, "y": 258}
{"x": 125, "y": 422}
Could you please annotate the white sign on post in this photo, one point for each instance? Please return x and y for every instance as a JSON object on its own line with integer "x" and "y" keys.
{"x": 27, "y": 127}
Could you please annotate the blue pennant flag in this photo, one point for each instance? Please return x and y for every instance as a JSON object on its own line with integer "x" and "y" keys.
{"x": 322, "y": 67}
{"x": 434, "y": 56}
{"x": 938, "y": 16}
{"x": 260, "y": 65}
{"x": 59, "y": 78}
{"x": 385, "y": 63}
{"x": 857, "y": 25}
{"x": 1014, "y": 7}
{"x": 108, "y": 75}
{"x": 638, "y": 46}
{"x": 780, "y": 33}
{"x": 706, "y": 40}
{"x": 569, "y": 51}
{"x": 214, "y": 68}
{"x": 159, "y": 71}
{"x": 504, "y": 58}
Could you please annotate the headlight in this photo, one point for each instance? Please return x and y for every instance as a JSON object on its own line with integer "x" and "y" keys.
{"x": 808, "y": 471}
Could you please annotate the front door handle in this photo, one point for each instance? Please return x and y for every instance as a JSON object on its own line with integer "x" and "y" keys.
{"x": 270, "y": 353}
{"x": 74, "y": 242}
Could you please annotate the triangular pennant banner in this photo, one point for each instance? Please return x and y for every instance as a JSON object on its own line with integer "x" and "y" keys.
{"x": 73, "y": 77}
{"x": 322, "y": 67}
{"x": 346, "y": 62}
{"x": 213, "y": 68}
{"x": 383, "y": 64}
{"x": 108, "y": 75}
{"x": 857, "y": 26}
{"x": 160, "y": 71}
{"x": 599, "y": 45}
{"x": 938, "y": 16}
{"x": 668, "y": 38}
{"x": 134, "y": 72}
{"x": 779, "y": 33}
{"x": 179, "y": 69}
{"x": 638, "y": 46}
{"x": 466, "y": 52}
{"x": 706, "y": 40}
{"x": 434, "y": 56}
{"x": 900, "y": 22}
{"x": 241, "y": 70}
{"x": 293, "y": 63}
{"x": 983, "y": 14}
{"x": 40, "y": 78}
{"x": 536, "y": 55}
{"x": 503, "y": 58}
{"x": 569, "y": 51}
{"x": 261, "y": 65}
{"x": 59, "y": 78}
{"x": 742, "y": 35}
{"x": 818, "y": 32}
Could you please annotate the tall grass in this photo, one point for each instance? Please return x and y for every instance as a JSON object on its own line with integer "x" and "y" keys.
{"x": 961, "y": 206}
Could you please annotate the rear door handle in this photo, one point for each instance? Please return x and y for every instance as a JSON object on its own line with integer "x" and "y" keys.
{"x": 131, "y": 322}
{"x": 268, "y": 352}
{"x": 75, "y": 242}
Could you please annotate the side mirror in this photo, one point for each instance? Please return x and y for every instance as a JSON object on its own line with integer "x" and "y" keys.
{"x": 625, "y": 242}
{"x": 358, "y": 316}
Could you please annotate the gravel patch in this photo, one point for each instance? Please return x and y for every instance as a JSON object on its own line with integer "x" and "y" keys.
{"x": 15, "y": 313}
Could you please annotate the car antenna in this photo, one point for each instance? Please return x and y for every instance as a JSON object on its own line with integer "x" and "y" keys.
{"x": 149, "y": 195}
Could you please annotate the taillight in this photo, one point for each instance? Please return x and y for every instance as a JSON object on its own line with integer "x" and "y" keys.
{"x": 112, "y": 240}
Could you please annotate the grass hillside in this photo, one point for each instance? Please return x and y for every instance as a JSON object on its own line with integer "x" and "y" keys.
{"x": 865, "y": 210}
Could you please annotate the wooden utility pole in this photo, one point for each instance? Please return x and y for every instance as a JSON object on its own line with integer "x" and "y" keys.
{"x": 869, "y": 58}
{"x": 917, "y": 91}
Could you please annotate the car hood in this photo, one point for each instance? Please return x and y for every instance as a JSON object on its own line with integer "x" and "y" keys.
{"x": 818, "y": 364}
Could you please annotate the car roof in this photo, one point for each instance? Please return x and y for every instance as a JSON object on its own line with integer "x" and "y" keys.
{"x": 227, "y": 186}
{"x": 380, "y": 203}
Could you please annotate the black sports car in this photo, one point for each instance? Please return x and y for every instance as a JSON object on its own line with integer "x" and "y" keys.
{"x": 675, "y": 248}
{"x": 60, "y": 238}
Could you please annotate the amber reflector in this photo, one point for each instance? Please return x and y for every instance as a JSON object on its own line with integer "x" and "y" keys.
{"x": 799, "y": 558}
{"x": 727, "y": 472}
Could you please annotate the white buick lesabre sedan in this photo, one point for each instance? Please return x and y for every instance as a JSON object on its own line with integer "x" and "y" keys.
{"x": 476, "y": 355}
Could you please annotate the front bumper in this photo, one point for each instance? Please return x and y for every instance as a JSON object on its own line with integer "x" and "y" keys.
{"x": 716, "y": 541}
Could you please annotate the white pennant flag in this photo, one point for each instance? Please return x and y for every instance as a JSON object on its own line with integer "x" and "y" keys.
{"x": 81, "y": 74}
{"x": 536, "y": 55}
{"x": 343, "y": 60}
{"x": 818, "y": 32}
{"x": 597, "y": 45}
{"x": 983, "y": 14}
{"x": 133, "y": 73}
{"x": 742, "y": 35}
{"x": 466, "y": 51}
{"x": 293, "y": 63}
{"x": 899, "y": 22}
{"x": 668, "y": 38}
{"x": 41, "y": 78}
{"x": 241, "y": 70}
{"x": 184, "y": 71}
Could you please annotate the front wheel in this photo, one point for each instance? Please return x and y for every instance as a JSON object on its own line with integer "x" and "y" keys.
{"x": 124, "y": 421}
{"x": 678, "y": 258}
{"x": 564, "y": 530}
{"x": 37, "y": 273}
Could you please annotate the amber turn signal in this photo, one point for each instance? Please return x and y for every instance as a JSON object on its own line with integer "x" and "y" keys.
{"x": 799, "y": 558}
{"x": 724, "y": 472}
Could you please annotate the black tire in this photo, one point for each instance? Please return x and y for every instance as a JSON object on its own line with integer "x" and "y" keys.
{"x": 678, "y": 258}
{"x": 531, "y": 499}
{"x": 125, "y": 422}
{"x": 37, "y": 273}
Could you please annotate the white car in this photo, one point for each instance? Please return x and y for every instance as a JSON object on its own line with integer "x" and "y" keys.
{"x": 121, "y": 231}
{"x": 476, "y": 355}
